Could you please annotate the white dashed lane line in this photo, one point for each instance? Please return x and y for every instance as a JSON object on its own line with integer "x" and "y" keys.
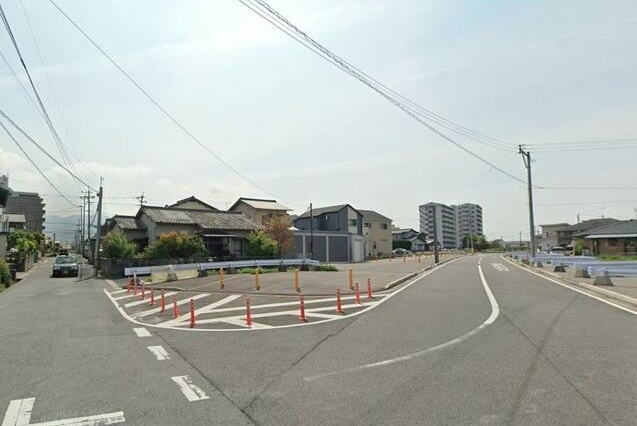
{"x": 159, "y": 352}
{"x": 191, "y": 391}
{"x": 141, "y": 332}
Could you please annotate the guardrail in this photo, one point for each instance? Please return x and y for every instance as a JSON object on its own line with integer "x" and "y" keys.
{"x": 146, "y": 270}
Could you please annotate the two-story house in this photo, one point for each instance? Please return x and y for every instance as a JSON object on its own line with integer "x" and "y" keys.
{"x": 377, "y": 232}
{"x": 259, "y": 210}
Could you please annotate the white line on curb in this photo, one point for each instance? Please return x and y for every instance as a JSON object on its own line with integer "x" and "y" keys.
{"x": 614, "y": 305}
{"x": 190, "y": 390}
{"x": 159, "y": 352}
{"x": 495, "y": 312}
{"x": 141, "y": 332}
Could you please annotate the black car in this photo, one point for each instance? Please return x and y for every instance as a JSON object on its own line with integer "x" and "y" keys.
{"x": 65, "y": 265}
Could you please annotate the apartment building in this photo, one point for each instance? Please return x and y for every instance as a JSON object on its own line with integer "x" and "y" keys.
{"x": 468, "y": 221}
{"x": 31, "y": 205}
{"x": 445, "y": 223}
{"x": 453, "y": 222}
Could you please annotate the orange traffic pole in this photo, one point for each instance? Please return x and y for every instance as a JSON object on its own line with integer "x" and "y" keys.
{"x": 358, "y": 294}
{"x": 135, "y": 287}
{"x": 152, "y": 297}
{"x": 163, "y": 301}
{"x": 248, "y": 313}
{"x": 339, "y": 309}
{"x": 192, "y": 313}
{"x": 128, "y": 285}
{"x": 369, "y": 288}
{"x": 302, "y": 309}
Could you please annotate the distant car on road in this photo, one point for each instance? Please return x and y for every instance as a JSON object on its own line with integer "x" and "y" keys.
{"x": 65, "y": 265}
{"x": 401, "y": 252}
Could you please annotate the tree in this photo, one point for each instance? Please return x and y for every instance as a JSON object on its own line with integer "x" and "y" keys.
{"x": 278, "y": 228}
{"x": 261, "y": 245}
{"x": 23, "y": 241}
{"x": 117, "y": 246}
{"x": 173, "y": 245}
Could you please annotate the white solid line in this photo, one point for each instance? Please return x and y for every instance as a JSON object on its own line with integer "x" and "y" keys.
{"x": 141, "y": 332}
{"x": 318, "y": 315}
{"x": 147, "y": 300}
{"x": 114, "y": 286}
{"x": 203, "y": 310}
{"x": 159, "y": 352}
{"x": 19, "y": 414}
{"x": 241, "y": 322}
{"x": 234, "y": 330}
{"x": 169, "y": 305}
{"x": 495, "y": 312}
{"x": 614, "y": 305}
{"x": 128, "y": 296}
{"x": 190, "y": 390}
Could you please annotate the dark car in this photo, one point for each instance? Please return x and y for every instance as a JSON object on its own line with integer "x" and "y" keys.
{"x": 65, "y": 265}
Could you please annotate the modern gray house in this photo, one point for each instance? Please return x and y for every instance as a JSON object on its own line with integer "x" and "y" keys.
{"x": 330, "y": 234}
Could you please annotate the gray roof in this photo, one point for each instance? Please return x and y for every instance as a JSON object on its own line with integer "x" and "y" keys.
{"x": 616, "y": 230}
{"x": 260, "y": 204}
{"x": 203, "y": 219}
{"x": 588, "y": 225}
{"x": 373, "y": 216}
{"x": 329, "y": 209}
{"x": 127, "y": 222}
{"x": 194, "y": 199}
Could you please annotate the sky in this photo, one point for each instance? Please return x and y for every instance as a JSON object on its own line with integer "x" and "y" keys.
{"x": 523, "y": 72}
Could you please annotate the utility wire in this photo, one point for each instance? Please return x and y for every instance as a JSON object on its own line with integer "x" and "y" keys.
{"x": 35, "y": 164}
{"x": 160, "y": 107}
{"x": 19, "y": 129}
{"x": 56, "y": 137}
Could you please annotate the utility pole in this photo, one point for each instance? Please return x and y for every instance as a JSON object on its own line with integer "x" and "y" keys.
{"x": 82, "y": 222}
{"x": 96, "y": 252}
{"x": 526, "y": 156}
{"x": 436, "y": 256}
{"x": 311, "y": 232}
{"x": 142, "y": 201}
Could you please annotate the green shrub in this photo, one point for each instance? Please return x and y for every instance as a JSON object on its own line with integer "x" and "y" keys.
{"x": 23, "y": 241}
{"x": 253, "y": 271}
{"x": 326, "y": 268}
{"x": 173, "y": 245}
{"x": 260, "y": 245}
{"x": 117, "y": 246}
{"x": 5, "y": 274}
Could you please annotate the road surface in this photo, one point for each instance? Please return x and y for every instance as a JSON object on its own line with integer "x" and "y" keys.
{"x": 475, "y": 341}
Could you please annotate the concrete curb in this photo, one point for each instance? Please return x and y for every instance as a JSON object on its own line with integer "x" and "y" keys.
{"x": 412, "y": 275}
{"x": 602, "y": 292}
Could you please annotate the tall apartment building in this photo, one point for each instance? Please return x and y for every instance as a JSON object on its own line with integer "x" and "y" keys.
{"x": 468, "y": 221}
{"x": 453, "y": 222}
{"x": 31, "y": 205}
{"x": 445, "y": 223}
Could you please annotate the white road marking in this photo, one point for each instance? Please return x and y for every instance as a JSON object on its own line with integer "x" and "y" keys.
{"x": 614, "y": 305}
{"x": 147, "y": 299}
{"x": 119, "y": 291}
{"x": 114, "y": 286}
{"x": 495, "y": 312}
{"x": 383, "y": 298}
{"x": 500, "y": 267}
{"x": 159, "y": 352}
{"x": 19, "y": 414}
{"x": 203, "y": 310}
{"x": 241, "y": 322}
{"x": 62, "y": 293}
{"x": 141, "y": 332}
{"x": 169, "y": 305}
{"x": 128, "y": 296}
{"x": 189, "y": 389}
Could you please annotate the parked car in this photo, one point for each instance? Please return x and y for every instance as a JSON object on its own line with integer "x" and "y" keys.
{"x": 401, "y": 252}
{"x": 65, "y": 265}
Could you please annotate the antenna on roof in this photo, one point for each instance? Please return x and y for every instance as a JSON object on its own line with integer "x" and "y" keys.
{"x": 141, "y": 199}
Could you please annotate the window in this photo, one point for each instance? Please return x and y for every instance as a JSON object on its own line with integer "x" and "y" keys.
{"x": 351, "y": 222}
{"x": 367, "y": 225}
{"x": 383, "y": 226}
{"x": 612, "y": 242}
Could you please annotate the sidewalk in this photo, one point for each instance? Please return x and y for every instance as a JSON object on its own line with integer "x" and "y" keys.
{"x": 380, "y": 273}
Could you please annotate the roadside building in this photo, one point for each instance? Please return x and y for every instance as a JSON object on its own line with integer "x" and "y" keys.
{"x": 619, "y": 237}
{"x": 468, "y": 218}
{"x": 550, "y": 236}
{"x": 445, "y": 224}
{"x": 330, "y": 234}
{"x": 416, "y": 240}
{"x": 129, "y": 226}
{"x": 377, "y": 232}
{"x": 31, "y": 205}
{"x": 259, "y": 210}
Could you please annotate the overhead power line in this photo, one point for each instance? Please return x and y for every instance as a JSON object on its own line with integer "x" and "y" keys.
{"x": 160, "y": 107}
{"x": 35, "y": 164}
{"x": 412, "y": 109}
{"x": 26, "y": 135}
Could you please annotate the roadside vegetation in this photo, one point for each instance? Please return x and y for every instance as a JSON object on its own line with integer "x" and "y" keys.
{"x": 5, "y": 275}
{"x": 618, "y": 257}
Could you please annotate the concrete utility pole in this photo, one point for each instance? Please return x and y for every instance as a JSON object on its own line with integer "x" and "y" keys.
{"x": 82, "y": 222}
{"x": 436, "y": 256}
{"x": 142, "y": 201}
{"x": 311, "y": 232}
{"x": 96, "y": 252}
{"x": 526, "y": 156}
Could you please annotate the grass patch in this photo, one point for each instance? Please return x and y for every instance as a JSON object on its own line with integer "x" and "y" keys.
{"x": 253, "y": 271}
{"x": 617, "y": 257}
{"x": 326, "y": 268}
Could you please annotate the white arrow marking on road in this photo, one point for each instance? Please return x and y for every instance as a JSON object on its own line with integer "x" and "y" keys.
{"x": 190, "y": 390}
{"x": 500, "y": 267}
{"x": 19, "y": 414}
{"x": 141, "y": 332}
{"x": 159, "y": 352}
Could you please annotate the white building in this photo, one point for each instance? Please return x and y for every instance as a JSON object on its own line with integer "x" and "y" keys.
{"x": 453, "y": 222}
{"x": 445, "y": 223}
{"x": 468, "y": 221}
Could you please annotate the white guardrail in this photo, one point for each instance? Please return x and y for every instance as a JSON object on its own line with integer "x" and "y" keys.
{"x": 146, "y": 270}
{"x": 590, "y": 264}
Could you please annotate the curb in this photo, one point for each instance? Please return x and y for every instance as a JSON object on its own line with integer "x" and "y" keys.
{"x": 413, "y": 274}
{"x": 602, "y": 292}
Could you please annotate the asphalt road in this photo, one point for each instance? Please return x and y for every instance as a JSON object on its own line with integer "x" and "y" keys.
{"x": 438, "y": 351}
